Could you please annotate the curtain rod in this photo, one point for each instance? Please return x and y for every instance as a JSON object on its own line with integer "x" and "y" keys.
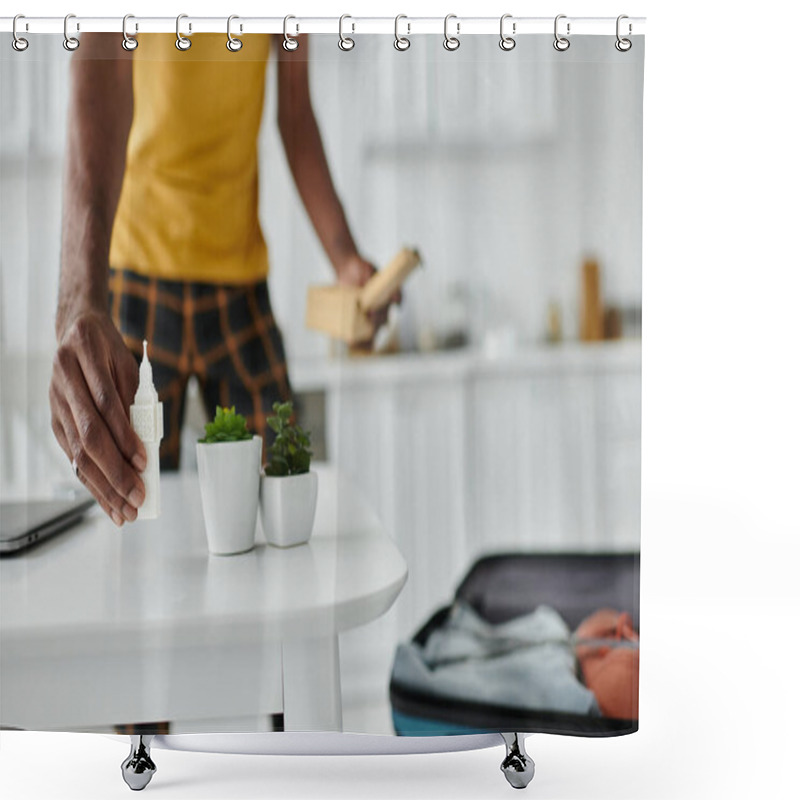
{"x": 408, "y": 26}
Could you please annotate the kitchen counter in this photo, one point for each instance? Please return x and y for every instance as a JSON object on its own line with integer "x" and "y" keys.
{"x": 585, "y": 358}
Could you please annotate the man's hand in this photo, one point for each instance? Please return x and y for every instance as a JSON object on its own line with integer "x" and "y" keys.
{"x": 355, "y": 271}
{"x": 93, "y": 385}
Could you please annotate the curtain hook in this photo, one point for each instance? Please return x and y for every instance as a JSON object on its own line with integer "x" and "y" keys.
{"x": 182, "y": 43}
{"x": 70, "y": 42}
{"x": 451, "y": 43}
{"x": 345, "y": 42}
{"x": 233, "y": 44}
{"x": 622, "y": 44}
{"x": 290, "y": 43}
{"x": 129, "y": 43}
{"x": 401, "y": 42}
{"x": 507, "y": 42}
{"x": 18, "y": 43}
{"x": 561, "y": 43}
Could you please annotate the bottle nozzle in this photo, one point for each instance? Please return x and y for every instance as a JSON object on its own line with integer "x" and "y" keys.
{"x": 146, "y": 393}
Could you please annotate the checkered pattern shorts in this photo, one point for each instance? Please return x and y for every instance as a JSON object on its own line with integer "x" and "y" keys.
{"x": 225, "y": 335}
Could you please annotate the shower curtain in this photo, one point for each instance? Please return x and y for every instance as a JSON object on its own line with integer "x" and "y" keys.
{"x": 474, "y": 432}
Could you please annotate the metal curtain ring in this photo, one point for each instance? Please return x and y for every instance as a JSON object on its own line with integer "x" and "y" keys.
{"x": 622, "y": 44}
{"x": 507, "y": 42}
{"x": 451, "y": 42}
{"x": 18, "y": 43}
{"x": 70, "y": 42}
{"x": 401, "y": 42}
{"x": 345, "y": 42}
{"x": 289, "y": 42}
{"x": 561, "y": 43}
{"x": 182, "y": 43}
{"x": 128, "y": 42}
{"x": 233, "y": 44}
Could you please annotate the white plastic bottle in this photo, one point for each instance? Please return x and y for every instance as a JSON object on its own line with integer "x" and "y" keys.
{"x": 147, "y": 418}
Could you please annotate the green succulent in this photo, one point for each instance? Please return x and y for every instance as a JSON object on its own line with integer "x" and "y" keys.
{"x": 289, "y": 453}
{"x": 227, "y": 426}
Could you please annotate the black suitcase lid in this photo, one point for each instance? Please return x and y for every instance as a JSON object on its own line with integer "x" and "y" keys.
{"x": 502, "y": 586}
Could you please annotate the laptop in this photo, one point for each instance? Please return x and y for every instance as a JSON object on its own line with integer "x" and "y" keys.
{"x": 27, "y": 522}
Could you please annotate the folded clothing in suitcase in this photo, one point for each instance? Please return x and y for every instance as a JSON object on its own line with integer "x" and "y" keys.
{"x": 502, "y": 656}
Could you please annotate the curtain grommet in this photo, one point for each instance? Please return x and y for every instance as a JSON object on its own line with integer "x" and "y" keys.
{"x": 507, "y": 43}
{"x": 560, "y": 43}
{"x": 17, "y": 42}
{"x": 623, "y": 44}
{"x": 71, "y": 43}
{"x": 129, "y": 43}
{"x": 290, "y": 43}
{"x": 346, "y": 43}
{"x": 401, "y": 43}
{"x": 181, "y": 42}
{"x": 451, "y": 43}
{"x": 233, "y": 44}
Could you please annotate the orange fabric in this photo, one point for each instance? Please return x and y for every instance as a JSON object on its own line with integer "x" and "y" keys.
{"x": 612, "y": 673}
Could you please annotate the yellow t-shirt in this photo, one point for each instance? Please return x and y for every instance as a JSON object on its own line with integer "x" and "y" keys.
{"x": 189, "y": 203}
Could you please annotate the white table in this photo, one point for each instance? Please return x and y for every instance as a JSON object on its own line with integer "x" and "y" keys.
{"x": 102, "y": 626}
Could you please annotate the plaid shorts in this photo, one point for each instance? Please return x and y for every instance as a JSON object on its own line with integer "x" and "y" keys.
{"x": 225, "y": 335}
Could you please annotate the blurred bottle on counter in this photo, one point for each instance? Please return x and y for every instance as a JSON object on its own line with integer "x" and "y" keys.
{"x": 555, "y": 332}
{"x": 612, "y": 323}
{"x": 622, "y": 322}
{"x": 449, "y": 328}
{"x": 454, "y": 330}
{"x": 591, "y": 318}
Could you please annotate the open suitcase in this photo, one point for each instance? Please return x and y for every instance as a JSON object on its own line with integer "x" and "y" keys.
{"x": 500, "y": 588}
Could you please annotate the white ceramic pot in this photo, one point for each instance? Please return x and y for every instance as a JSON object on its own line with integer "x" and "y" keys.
{"x": 229, "y": 475}
{"x": 288, "y": 506}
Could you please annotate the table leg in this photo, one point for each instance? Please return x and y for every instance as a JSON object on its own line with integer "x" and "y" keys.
{"x": 312, "y": 691}
{"x": 517, "y": 766}
{"x": 138, "y": 768}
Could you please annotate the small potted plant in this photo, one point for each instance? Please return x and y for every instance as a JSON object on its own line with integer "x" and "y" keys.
{"x": 288, "y": 488}
{"x": 229, "y": 462}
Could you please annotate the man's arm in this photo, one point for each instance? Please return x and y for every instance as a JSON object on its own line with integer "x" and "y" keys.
{"x": 306, "y": 156}
{"x": 94, "y": 375}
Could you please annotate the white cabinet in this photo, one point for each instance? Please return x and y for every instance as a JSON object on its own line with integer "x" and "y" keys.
{"x": 533, "y": 456}
{"x": 461, "y": 456}
{"x": 619, "y": 405}
{"x": 552, "y": 469}
{"x": 431, "y": 436}
{"x": 405, "y": 446}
